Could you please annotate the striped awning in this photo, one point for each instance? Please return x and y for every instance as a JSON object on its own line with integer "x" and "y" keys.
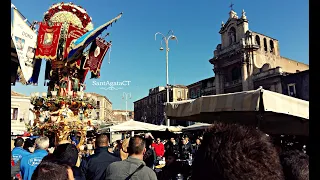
{"x": 272, "y": 112}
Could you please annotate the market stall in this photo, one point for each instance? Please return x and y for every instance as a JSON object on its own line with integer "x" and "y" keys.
{"x": 119, "y": 131}
{"x": 271, "y": 112}
{"x": 133, "y": 125}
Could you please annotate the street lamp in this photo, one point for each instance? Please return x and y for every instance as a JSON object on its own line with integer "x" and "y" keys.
{"x": 170, "y": 36}
{"x": 126, "y": 96}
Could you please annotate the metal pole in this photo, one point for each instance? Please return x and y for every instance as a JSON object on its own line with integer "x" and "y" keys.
{"x": 167, "y": 69}
{"x": 126, "y": 108}
{"x": 125, "y": 97}
{"x": 166, "y": 40}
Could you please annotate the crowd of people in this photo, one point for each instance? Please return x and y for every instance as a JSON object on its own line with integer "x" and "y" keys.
{"x": 223, "y": 152}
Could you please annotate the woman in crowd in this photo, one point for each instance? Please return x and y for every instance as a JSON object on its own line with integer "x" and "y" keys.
{"x": 123, "y": 151}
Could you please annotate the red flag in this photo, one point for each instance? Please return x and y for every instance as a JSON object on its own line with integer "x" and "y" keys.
{"x": 48, "y": 40}
{"x": 73, "y": 33}
{"x": 97, "y": 52}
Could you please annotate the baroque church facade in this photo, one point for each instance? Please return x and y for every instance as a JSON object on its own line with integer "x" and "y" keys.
{"x": 246, "y": 60}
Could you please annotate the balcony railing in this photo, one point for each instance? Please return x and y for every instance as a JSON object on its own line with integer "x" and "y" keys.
{"x": 227, "y": 49}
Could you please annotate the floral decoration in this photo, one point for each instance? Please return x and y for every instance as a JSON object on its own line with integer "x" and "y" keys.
{"x": 65, "y": 10}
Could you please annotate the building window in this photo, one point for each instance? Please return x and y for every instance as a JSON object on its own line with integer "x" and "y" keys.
{"x": 192, "y": 93}
{"x": 232, "y": 35}
{"x": 98, "y": 104}
{"x": 265, "y": 44}
{"x": 14, "y": 113}
{"x": 257, "y": 40}
{"x": 198, "y": 93}
{"x": 98, "y": 115}
{"x": 292, "y": 90}
{"x": 235, "y": 74}
{"x": 271, "y": 46}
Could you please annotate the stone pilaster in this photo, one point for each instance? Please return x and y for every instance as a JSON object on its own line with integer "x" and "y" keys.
{"x": 279, "y": 87}
{"x": 244, "y": 74}
{"x": 217, "y": 81}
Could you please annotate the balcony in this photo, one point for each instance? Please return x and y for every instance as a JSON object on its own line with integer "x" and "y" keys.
{"x": 232, "y": 47}
{"x": 233, "y": 83}
{"x": 252, "y": 46}
{"x": 269, "y": 73}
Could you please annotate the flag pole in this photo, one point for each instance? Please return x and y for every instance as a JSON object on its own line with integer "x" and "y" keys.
{"x": 14, "y": 7}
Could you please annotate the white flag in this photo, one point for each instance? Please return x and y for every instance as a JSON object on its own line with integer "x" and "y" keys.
{"x": 25, "y": 40}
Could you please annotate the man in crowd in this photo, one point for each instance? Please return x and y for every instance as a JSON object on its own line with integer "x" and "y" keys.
{"x": 158, "y": 148}
{"x": 185, "y": 148}
{"x": 52, "y": 171}
{"x": 68, "y": 154}
{"x": 94, "y": 167}
{"x": 173, "y": 146}
{"x": 196, "y": 146}
{"x": 133, "y": 167}
{"x": 18, "y": 152}
{"x": 231, "y": 151}
{"x": 171, "y": 169}
{"x": 29, "y": 163}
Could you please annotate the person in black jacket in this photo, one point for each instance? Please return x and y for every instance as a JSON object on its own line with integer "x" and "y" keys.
{"x": 173, "y": 147}
{"x": 185, "y": 149}
{"x": 196, "y": 146}
{"x": 94, "y": 167}
{"x": 150, "y": 156}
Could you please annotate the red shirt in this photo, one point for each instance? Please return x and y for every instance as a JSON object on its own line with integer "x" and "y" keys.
{"x": 159, "y": 149}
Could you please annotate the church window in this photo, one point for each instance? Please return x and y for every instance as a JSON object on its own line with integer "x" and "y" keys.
{"x": 257, "y": 40}
{"x": 232, "y": 35}
{"x": 265, "y": 44}
{"x": 235, "y": 73}
{"x": 271, "y": 46}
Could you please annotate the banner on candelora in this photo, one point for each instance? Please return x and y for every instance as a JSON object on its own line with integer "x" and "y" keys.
{"x": 73, "y": 33}
{"x": 24, "y": 39}
{"x": 76, "y": 47}
{"x": 97, "y": 52}
{"x": 48, "y": 41}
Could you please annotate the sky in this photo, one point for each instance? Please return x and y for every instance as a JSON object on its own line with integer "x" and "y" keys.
{"x": 135, "y": 55}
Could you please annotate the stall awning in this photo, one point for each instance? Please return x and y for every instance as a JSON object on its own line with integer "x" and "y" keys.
{"x": 272, "y": 112}
{"x": 133, "y": 125}
{"x": 196, "y": 126}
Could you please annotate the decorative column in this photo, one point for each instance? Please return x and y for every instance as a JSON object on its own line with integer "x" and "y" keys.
{"x": 250, "y": 70}
{"x": 244, "y": 74}
{"x": 217, "y": 80}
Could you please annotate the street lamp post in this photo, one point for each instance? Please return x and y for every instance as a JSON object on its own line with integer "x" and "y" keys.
{"x": 170, "y": 36}
{"x": 126, "y": 96}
